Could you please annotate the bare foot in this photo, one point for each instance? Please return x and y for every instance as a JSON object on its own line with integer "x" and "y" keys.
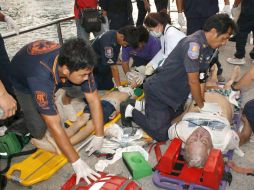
{"x": 43, "y": 144}
{"x": 234, "y": 77}
{"x": 81, "y": 120}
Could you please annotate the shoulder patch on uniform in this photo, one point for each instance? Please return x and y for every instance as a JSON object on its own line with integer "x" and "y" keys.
{"x": 193, "y": 51}
{"x": 41, "y": 99}
{"x": 109, "y": 53}
{"x": 41, "y": 46}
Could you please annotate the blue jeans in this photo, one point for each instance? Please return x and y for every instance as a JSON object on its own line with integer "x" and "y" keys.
{"x": 81, "y": 33}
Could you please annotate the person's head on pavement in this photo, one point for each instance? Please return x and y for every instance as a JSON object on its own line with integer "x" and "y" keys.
{"x": 76, "y": 61}
{"x": 218, "y": 29}
{"x": 197, "y": 148}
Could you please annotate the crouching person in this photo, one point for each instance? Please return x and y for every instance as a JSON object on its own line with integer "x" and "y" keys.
{"x": 38, "y": 70}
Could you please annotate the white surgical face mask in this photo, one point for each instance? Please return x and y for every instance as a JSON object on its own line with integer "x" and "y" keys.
{"x": 156, "y": 34}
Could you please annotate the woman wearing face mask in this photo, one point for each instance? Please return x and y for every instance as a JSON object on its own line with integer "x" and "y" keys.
{"x": 159, "y": 25}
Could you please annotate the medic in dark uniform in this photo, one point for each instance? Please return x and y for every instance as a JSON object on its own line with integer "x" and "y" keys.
{"x": 107, "y": 47}
{"x": 167, "y": 90}
{"x": 38, "y": 70}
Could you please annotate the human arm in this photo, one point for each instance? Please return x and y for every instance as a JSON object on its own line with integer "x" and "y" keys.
{"x": 193, "y": 80}
{"x": 7, "y": 103}
{"x": 246, "y": 80}
{"x": 179, "y": 6}
{"x": 180, "y": 9}
{"x": 97, "y": 121}
{"x": 2, "y": 17}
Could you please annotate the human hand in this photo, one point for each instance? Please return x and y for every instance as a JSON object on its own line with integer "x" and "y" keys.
{"x": 82, "y": 170}
{"x": 11, "y": 24}
{"x": 127, "y": 90}
{"x": 8, "y": 105}
{"x": 227, "y": 10}
{"x": 95, "y": 144}
{"x": 135, "y": 77}
{"x": 233, "y": 96}
{"x": 181, "y": 20}
{"x": 147, "y": 6}
{"x": 149, "y": 69}
{"x": 210, "y": 107}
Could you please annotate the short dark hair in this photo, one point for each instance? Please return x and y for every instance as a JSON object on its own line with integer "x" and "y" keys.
{"x": 153, "y": 19}
{"x": 76, "y": 55}
{"x": 143, "y": 34}
{"x": 221, "y": 22}
{"x": 131, "y": 35}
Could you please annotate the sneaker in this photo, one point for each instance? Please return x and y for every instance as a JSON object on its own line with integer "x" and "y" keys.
{"x": 126, "y": 121}
{"x": 221, "y": 78}
{"x": 232, "y": 39}
{"x": 236, "y": 61}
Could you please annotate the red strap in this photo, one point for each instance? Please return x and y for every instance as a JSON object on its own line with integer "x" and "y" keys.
{"x": 157, "y": 150}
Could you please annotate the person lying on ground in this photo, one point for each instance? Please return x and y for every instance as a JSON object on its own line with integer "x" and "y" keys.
{"x": 202, "y": 131}
{"x": 110, "y": 105}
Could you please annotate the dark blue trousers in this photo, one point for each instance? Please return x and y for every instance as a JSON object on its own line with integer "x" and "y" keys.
{"x": 161, "y": 4}
{"x": 245, "y": 25}
{"x": 248, "y": 111}
{"x": 158, "y": 115}
{"x": 141, "y": 12}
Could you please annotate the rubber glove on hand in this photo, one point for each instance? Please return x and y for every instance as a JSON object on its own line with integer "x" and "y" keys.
{"x": 226, "y": 9}
{"x": 95, "y": 144}
{"x": 11, "y": 24}
{"x": 235, "y": 11}
{"x": 181, "y": 20}
{"x": 130, "y": 77}
{"x": 139, "y": 78}
{"x": 233, "y": 96}
{"x": 82, "y": 170}
{"x": 127, "y": 90}
{"x": 149, "y": 69}
{"x": 213, "y": 108}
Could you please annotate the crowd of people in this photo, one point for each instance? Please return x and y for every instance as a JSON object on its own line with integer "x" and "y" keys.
{"x": 154, "y": 55}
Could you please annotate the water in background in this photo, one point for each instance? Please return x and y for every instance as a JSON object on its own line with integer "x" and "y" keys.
{"x": 29, "y": 13}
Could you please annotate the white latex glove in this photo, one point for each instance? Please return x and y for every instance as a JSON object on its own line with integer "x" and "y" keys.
{"x": 149, "y": 69}
{"x": 82, "y": 170}
{"x": 181, "y": 20}
{"x": 95, "y": 144}
{"x": 130, "y": 77}
{"x": 141, "y": 69}
{"x": 233, "y": 96}
{"x": 11, "y": 24}
{"x": 227, "y": 10}
{"x": 127, "y": 89}
{"x": 236, "y": 12}
{"x": 135, "y": 76}
{"x": 213, "y": 108}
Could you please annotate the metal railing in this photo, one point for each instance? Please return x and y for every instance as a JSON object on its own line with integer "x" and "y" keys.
{"x": 56, "y": 22}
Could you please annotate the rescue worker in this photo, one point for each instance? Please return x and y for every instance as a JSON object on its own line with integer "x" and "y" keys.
{"x": 107, "y": 47}
{"x": 159, "y": 25}
{"x": 38, "y": 70}
{"x": 197, "y": 12}
{"x": 246, "y": 25}
{"x": 145, "y": 50}
{"x": 182, "y": 72}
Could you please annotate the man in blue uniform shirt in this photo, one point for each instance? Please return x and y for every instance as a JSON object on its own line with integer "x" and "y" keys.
{"x": 38, "y": 70}
{"x": 167, "y": 90}
{"x": 107, "y": 47}
{"x": 147, "y": 48}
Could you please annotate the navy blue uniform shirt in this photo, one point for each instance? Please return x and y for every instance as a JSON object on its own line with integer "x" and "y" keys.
{"x": 35, "y": 71}
{"x": 107, "y": 48}
{"x": 170, "y": 82}
{"x": 200, "y": 8}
